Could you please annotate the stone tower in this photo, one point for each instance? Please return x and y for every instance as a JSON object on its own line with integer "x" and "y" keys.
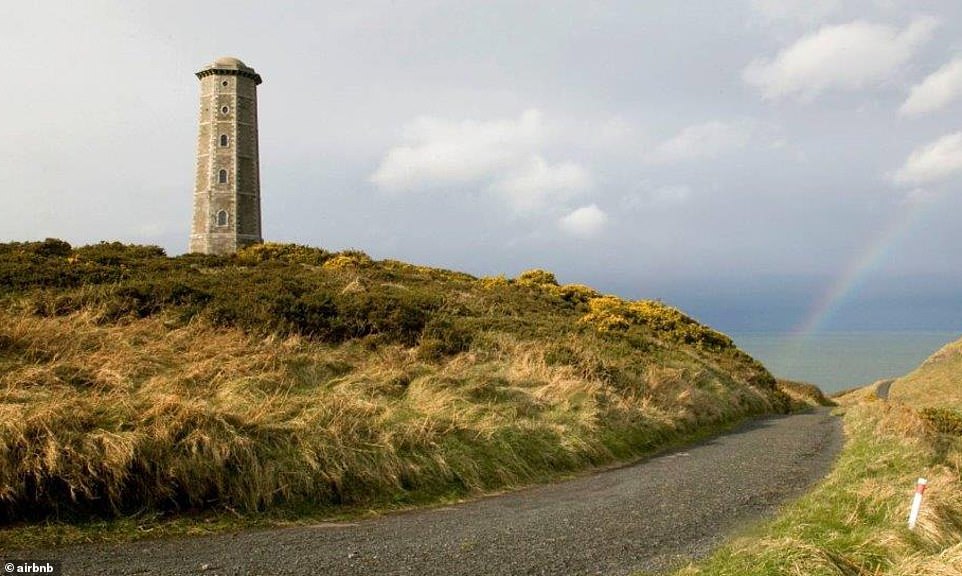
{"x": 227, "y": 190}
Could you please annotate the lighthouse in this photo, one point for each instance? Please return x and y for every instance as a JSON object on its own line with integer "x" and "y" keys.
{"x": 227, "y": 195}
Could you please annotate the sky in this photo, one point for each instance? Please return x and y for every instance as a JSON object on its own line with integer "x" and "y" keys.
{"x": 784, "y": 165}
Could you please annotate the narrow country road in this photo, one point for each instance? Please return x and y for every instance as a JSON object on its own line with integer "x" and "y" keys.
{"x": 646, "y": 516}
{"x": 882, "y": 391}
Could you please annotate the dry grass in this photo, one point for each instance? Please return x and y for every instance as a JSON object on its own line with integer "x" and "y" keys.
{"x": 803, "y": 394}
{"x": 936, "y": 383}
{"x": 110, "y": 418}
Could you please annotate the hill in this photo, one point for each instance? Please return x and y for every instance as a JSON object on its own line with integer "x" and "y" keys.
{"x": 287, "y": 377}
{"x": 937, "y": 383}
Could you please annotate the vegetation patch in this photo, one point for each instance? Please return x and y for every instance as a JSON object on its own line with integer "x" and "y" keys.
{"x": 803, "y": 394}
{"x": 610, "y": 313}
{"x": 287, "y": 380}
{"x": 943, "y": 420}
{"x": 935, "y": 383}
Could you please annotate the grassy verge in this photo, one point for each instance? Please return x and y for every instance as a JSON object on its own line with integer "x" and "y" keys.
{"x": 150, "y": 524}
{"x": 854, "y": 523}
{"x": 145, "y": 394}
{"x": 272, "y": 430}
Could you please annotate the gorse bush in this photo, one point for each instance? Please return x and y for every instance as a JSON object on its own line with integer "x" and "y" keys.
{"x": 290, "y": 375}
{"x": 348, "y": 259}
{"x": 609, "y": 313}
{"x": 494, "y": 282}
{"x": 286, "y": 253}
{"x": 537, "y": 277}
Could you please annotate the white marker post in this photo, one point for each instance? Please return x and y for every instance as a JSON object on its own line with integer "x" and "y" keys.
{"x": 917, "y": 503}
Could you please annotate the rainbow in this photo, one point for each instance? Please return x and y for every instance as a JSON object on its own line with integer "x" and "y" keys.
{"x": 875, "y": 252}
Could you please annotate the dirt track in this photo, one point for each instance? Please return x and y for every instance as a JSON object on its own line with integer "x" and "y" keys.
{"x": 645, "y": 516}
{"x": 882, "y": 390}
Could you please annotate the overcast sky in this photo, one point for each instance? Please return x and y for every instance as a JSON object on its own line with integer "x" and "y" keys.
{"x": 763, "y": 164}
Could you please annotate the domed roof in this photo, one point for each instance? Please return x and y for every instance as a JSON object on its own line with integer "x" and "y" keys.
{"x": 229, "y": 61}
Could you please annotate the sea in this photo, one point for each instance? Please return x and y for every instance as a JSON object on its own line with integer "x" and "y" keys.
{"x": 837, "y": 361}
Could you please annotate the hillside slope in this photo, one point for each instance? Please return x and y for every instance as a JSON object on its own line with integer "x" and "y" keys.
{"x": 290, "y": 376}
{"x": 937, "y": 383}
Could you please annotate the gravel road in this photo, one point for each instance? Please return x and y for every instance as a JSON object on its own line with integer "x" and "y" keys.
{"x": 646, "y": 516}
{"x": 882, "y": 391}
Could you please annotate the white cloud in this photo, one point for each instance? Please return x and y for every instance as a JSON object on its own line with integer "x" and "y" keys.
{"x": 936, "y": 91}
{"x": 501, "y": 156}
{"x": 804, "y": 11}
{"x": 531, "y": 186}
{"x": 932, "y": 162}
{"x": 585, "y": 222}
{"x": 848, "y": 57}
{"x": 708, "y": 140}
{"x": 440, "y": 152}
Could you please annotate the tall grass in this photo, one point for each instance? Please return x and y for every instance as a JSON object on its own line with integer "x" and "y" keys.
{"x": 108, "y": 418}
{"x": 288, "y": 376}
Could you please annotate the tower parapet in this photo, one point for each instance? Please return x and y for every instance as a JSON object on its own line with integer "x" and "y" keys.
{"x": 227, "y": 199}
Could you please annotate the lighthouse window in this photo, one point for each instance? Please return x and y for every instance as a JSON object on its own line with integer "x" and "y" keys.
{"x": 224, "y": 110}
{"x": 224, "y": 83}
{"x": 223, "y": 139}
{"x": 222, "y": 177}
{"x": 222, "y": 217}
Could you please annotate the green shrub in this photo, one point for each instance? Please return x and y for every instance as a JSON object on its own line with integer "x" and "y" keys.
{"x": 443, "y": 336}
{"x": 943, "y": 420}
{"x": 313, "y": 315}
{"x": 195, "y": 260}
{"x": 47, "y": 248}
{"x": 577, "y": 294}
{"x": 53, "y": 247}
{"x": 25, "y": 265}
{"x": 143, "y": 298}
{"x": 397, "y": 316}
{"x": 118, "y": 254}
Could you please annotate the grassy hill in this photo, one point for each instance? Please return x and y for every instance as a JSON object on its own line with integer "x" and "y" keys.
{"x": 937, "y": 383}
{"x": 854, "y": 523}
{"x": 290, "y": 378}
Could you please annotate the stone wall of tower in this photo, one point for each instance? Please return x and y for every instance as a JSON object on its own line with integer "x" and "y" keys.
{"x": 227, "y": 181}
